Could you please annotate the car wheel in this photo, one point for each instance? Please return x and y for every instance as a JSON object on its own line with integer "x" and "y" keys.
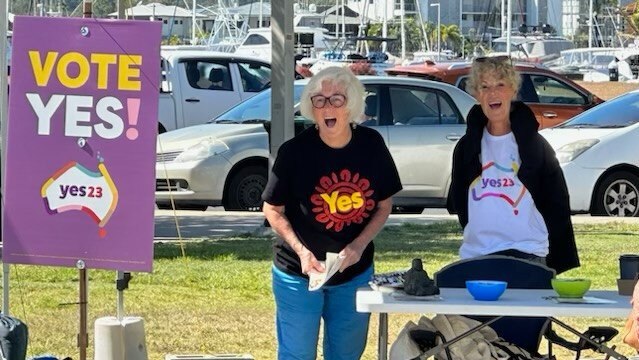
{"x": 617, "y": 195}
{"x": 245, "y": 189}
{"x": 407, "y": 209}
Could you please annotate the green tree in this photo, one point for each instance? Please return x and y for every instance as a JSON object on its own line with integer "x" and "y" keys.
{"x": 452, "y": 37}
{"x": 413, "y": 34}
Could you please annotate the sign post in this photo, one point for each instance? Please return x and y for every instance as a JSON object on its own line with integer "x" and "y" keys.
{"x": 4, "y": 26}
{"x": 81, "y": 147}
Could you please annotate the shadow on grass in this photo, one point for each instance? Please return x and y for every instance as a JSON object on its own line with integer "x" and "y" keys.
{"x": 393, "y": 242}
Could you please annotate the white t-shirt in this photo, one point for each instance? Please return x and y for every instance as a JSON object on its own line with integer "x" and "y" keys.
{"x": 501, "y": 212}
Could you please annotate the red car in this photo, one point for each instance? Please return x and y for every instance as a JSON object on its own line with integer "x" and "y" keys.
{"x": 552, "y": 97}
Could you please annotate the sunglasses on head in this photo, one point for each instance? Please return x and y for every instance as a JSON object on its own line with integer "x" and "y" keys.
{"x": 493, "y": 59}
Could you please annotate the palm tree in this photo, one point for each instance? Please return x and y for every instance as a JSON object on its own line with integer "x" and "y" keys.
{"x": 451, "y": 36}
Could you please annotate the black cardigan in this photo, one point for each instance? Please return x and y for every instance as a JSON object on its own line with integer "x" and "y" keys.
{"x": 539, "y": 172}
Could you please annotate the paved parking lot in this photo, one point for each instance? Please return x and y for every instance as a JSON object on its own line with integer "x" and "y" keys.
{"x": 217, "y": 222}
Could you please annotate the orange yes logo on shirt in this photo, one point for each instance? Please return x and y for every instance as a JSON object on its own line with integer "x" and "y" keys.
{"x": 343, "y": 203}
{"x": 343, "y": 199}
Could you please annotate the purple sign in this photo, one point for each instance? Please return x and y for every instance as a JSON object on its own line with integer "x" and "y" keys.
{"x": 80, "y": 161}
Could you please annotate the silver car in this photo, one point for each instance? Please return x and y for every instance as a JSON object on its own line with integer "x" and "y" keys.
{"x": 225, "y": 162}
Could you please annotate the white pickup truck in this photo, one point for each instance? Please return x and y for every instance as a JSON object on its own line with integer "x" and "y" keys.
{"x": 199, "y": 85}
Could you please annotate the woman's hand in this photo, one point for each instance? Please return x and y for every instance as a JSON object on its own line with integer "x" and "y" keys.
{"x": 309, "y": 263}
{"x": 352, "y": 253}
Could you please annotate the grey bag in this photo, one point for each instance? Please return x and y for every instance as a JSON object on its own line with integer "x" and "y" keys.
{"x": 13, "y": 338}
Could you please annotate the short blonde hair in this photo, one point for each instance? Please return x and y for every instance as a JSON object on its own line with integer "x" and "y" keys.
{"x": 341, "y": 77}
{"x": 501, "y": 66}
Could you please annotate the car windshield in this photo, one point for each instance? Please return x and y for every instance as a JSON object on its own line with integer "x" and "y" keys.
{"x": 615, "y": 113}
{"x": 256, "y": 109}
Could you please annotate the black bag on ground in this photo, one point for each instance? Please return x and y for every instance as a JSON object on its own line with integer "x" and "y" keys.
{"x": 13, "y": 338}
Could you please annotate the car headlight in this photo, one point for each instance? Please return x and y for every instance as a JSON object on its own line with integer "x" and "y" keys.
{"x": 570, "y": 152}
{"x": 202, "y": 150}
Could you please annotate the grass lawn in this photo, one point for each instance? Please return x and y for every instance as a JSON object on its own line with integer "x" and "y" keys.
{"x": 214, "y": 296}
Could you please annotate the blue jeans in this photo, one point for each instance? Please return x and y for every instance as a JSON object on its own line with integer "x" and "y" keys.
{"x": 299, "y": 312}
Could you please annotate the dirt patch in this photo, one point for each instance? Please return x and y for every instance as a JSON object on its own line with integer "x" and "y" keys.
{"x": 608, "y": 89}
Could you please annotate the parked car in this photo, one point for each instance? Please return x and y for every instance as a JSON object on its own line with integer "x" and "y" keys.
{"x": 552, "y": 97}
{"x": 199, "y": 85}
{"x": 225, "y": 162}
{"x": 598, "y": 154}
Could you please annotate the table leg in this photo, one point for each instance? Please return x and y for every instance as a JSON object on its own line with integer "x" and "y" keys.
{"x": 382, "y": 339}
{"x": 610, "y": 352}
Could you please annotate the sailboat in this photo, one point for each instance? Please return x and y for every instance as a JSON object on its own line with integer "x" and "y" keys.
{"x": 226, "y": 35}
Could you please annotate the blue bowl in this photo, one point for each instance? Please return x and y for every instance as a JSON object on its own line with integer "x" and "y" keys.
{"x": 486, "y": 290}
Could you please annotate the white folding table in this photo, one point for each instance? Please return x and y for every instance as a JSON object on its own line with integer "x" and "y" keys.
{"x": 514, "y": 302}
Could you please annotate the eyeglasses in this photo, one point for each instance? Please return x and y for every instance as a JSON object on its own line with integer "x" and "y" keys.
{"x": 319, "y": 101}
{"x": 494, "y": 59}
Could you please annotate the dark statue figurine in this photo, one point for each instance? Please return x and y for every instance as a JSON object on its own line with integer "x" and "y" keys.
{"x": 417, "y": 282}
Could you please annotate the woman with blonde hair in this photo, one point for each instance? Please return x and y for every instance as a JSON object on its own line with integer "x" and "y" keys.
{"x": 329, "y": 191}
{"x": 507, "y": 186}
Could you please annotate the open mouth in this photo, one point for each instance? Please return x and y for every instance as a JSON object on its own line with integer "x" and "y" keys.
{"x": 330, "y": 122}
{"x": 494, "y": 104}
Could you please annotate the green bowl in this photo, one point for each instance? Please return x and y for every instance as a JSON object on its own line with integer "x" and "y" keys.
{"x": 570, "y": 288}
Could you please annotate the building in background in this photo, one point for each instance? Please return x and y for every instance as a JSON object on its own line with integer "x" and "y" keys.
{"x": 176, "y": 21}
{"x": 483, "y": 18}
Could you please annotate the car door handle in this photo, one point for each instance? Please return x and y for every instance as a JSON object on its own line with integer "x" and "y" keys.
{"x": 453, "y": 137}
{"x": 192, "y": 100}
{"x": 550, "y": 114}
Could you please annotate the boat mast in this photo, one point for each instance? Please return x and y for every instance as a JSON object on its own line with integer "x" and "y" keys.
{"x": 509, "y": 25}
{"x": 402, "y": 30}
{"x": 336, "y": 18}
{"x": 385, "y": 25}
{"x": 503, "y": 17}
{"x": 590, "y": 25}
{"x": 259, "y": 25}
{"x": 425, "y": 44}
{"x": 193, "y": 36}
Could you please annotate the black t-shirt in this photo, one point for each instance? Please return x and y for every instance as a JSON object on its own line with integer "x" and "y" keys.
{"x": 330, "y": 194}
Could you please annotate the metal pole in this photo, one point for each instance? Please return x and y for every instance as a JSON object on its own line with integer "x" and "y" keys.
{"x": 120, "y": 297}
{"x": 193, "y": 37}
{"x": 83, "y": 337}
{"x": 590, "y": 25}
{"x": 259, "y": 25}
{"x": 402, "y": 30}
{"x": 343, "y": 18}
{"x": 503, "y": 17}
{"x": 4, "y": 26}
{"x": 509, "y": 25}
{"x": 87, "y": 8}
{"x": 461, "y": 29}
{"x": 282, "y": 127}
{"x": 121, "y": 9}
{"x": 336, "y": 18}
{"x": 385, "y": 25}
{"x": 439, "y": 30}
{"x": 5, "y": 283}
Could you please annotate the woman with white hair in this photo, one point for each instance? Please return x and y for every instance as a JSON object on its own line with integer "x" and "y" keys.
{"x": 329, "y": 191}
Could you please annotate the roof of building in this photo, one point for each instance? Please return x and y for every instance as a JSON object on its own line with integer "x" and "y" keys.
{"x": 252, "y": 9}
{"x": 157, "y": 10}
